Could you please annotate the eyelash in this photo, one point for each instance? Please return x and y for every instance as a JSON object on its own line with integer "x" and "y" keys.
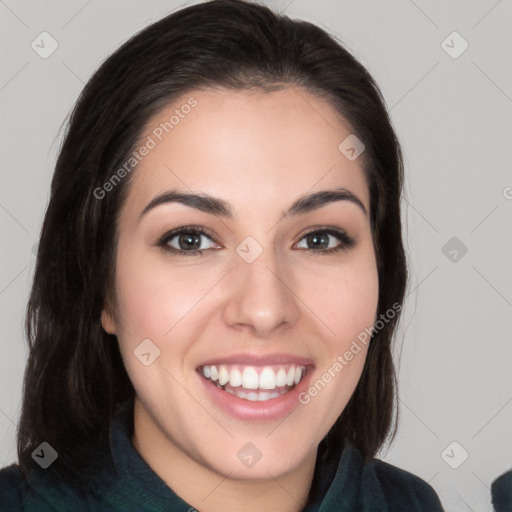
{"x": 346, "y": 241}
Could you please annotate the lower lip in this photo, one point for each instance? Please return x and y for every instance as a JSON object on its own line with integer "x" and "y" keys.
{"x": 272, "y": 409}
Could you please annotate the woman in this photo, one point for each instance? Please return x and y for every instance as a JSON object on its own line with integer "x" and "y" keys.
{"x": 219, "y": 276}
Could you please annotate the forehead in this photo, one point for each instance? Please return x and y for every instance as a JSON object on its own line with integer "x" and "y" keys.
{"x": 256, "y": 149}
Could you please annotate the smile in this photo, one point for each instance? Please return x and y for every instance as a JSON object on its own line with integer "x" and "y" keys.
{"x": 254, "y": 383}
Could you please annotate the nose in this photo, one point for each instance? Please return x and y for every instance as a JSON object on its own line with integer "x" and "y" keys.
{"x": 261, "y": 297}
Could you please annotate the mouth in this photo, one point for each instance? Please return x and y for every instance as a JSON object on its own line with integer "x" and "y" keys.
{"x": 251, "y": 388}
{"x": 254, "y": 383}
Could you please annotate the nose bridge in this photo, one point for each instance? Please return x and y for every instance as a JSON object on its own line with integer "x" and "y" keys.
{"x": 261, "y": 295}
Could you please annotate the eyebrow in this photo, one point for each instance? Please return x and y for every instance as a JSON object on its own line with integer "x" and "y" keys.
{"x": 216, "y": 206}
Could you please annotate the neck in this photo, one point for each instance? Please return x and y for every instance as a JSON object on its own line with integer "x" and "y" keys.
{"x": 210, "y": 491}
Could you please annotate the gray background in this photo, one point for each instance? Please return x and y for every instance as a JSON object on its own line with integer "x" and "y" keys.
{"x": 453, "y": 116}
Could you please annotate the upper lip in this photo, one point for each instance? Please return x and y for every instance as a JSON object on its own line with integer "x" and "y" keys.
{"x": 253, "y": 359}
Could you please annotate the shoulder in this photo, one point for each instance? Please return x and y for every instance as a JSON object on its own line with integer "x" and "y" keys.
{"x": 43, "y": 491}
{"x": 501, "y": 490}
{"x": 403, "y": 489}
{"x": 11, "y": 483}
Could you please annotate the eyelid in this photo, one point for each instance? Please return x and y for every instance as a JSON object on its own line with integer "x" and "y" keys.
{"x": 192, "y": 227}
{"x": 323, "y": 228}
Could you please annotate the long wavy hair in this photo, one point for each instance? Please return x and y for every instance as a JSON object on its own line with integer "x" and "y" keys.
{"x": 75, "y": 375}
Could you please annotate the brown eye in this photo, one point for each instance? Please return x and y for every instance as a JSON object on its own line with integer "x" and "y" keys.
{"x": 187, "y": 240}
{"x": 321, "y": 240}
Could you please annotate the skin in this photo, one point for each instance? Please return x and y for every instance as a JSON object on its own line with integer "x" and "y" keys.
{"x": 259, "y": 152}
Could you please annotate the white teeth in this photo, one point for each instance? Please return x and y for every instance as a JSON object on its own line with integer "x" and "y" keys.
{"x": 254, "y": 396}
{"x": 250, "y": 379}
{"x": 223, "y": 375}
{"x": 290, "y": 378}
{"x": 281, "y": 378}
{"x": 235, "y": 378}
{"x": 267, "y": 379}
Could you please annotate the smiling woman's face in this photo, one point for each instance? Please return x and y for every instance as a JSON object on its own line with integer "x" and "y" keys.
{"x": 265, "y": 302}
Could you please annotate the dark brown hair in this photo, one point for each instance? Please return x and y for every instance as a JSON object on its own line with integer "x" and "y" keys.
{"x": 75, "y": 376}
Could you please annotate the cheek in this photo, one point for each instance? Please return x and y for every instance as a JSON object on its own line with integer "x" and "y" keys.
{"x": 344, "y": 298}
{"x": 153, "y": 296}
{"x": 347, "y": 306}
{"x": 345, "y": 301}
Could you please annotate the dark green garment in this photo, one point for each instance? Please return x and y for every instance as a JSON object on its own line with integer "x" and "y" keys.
{"x": 501, "y": 490}
{"x": 341, "y": 484}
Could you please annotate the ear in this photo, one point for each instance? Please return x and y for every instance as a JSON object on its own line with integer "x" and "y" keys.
{"x": 108, "y": 322}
